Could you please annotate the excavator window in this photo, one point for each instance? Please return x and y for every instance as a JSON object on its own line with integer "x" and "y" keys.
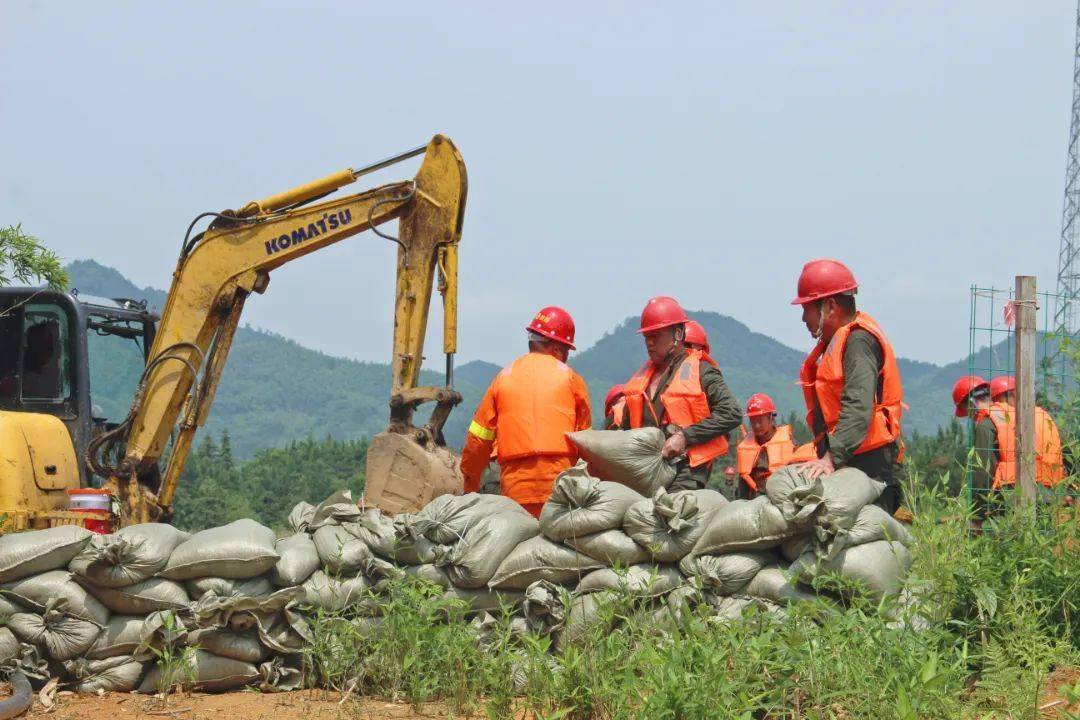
{"x": 45, "y": 357}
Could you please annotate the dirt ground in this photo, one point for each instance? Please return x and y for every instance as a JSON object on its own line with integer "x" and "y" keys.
{"x": 304, "y": 705}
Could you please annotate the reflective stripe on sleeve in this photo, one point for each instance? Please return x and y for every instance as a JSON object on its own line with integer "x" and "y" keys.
{"x": 480, "y": 431}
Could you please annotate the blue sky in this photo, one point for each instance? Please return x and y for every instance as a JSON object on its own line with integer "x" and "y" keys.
{"x": 615, "y": 150}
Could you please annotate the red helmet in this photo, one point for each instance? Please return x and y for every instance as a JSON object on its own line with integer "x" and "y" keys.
{"x": 822, "y": 278}
{"x": 661, "y": 312}
{"x": 760, "y": 404}
{"x": 1001, "y": 385}
{"x": 612, "y": 397}
{"x": 962, "y": 389}
{"x": 695, "y": 335}
{"x": 555, "y": 324}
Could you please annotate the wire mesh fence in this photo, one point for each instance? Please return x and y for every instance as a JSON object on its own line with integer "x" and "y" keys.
{"x": 992, "y": 355}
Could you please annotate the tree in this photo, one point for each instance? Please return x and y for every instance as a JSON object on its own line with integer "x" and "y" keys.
{"x": 24, "y": 260}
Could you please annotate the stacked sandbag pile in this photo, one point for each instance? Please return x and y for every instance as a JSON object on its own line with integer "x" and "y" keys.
{"x": 235, "y": 602}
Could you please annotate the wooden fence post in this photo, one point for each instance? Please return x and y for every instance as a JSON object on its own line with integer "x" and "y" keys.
{"x": 1025, "y": 387}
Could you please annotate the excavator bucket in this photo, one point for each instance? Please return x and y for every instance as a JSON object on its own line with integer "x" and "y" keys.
{"x": 404, "y": 476}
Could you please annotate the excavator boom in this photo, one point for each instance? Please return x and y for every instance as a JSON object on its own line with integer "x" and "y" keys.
{"x": 234, "y": 257}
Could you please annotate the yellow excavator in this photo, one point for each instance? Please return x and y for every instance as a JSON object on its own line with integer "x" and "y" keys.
{"x": 50, "y": 441}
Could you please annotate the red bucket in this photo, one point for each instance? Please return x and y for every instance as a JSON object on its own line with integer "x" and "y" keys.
{"x": 92, "y": 502}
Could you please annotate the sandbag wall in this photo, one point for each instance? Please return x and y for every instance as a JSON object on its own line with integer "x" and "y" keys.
{"x": 99, "y": 610}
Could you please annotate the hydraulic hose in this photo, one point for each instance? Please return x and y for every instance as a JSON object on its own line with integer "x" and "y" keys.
{"x": 21, "y": 697}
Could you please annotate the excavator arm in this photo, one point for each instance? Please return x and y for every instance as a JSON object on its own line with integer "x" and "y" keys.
{"x": 234, "y": 257}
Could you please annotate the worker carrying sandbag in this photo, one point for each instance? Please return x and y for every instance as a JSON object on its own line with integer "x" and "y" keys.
{"x": 766, "y": 449}
{"x": 851, "y": 382}
{"x": 682, "y": 391}
{"x": 529, "y": 408}
{"x": 1049, "y": 460}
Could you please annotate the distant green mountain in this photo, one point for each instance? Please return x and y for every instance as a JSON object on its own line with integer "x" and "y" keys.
{"x": 321, "y": 395}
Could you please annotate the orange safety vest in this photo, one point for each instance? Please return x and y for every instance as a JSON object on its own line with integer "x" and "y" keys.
{"x": 780, "y": 450}
{"x": 1049, "y": 463}
{"x": 684, "y": 401}
{"x": 822, "y": 380}
{"x": 536, "y": 407}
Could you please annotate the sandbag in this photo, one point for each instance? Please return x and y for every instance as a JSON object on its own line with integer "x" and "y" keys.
{"x": 792, "y": 548}
{"x": 880, "y": 567}
{"x": 300, "y": 516}
{"x": 142, "y": 598}
{"x": 340, "y": 552}
{"x": 582, "y": 505}
{"x": 337, "y": 509}
{"x": 446, "y": 519}
{"x": 728, "y": 609}
{"x": 669, "y": 524}
{"x": 9, "y": 607}
{"x": 410, "y": 545}
{"x": 586, "y": 612}
{"x": 871, "y": 525}
{"x": 130, "y": 555}
{"x": 392, "y": 538}
{"x": 726, "y": 574}
{"x": 225, "y": 587}
{"x": 298, "y": 559}
{"x": 539, "y": 559}
{"x": 244, "y": 646}
{"x": 212, "y": 674}
{"x": 776, "y": 585}
{"x": 35, "y": 593}
{"x": 845, "y": 493}
{"x": 798, "y": 495}
{"x": 544, "y": 608}
{"x": 611, "y": 547}
{"x": 744, "y": 525}
{"x": 637, "y": 580}
{"x": 59, "y": 634}
{"x": 114, "y": 674}
{"x": 9, "y": 646}
{"x": 480, "y": 600}
{"x": 429, "y": 573}
{"x": 474, "y": 559}
{"x": 331, "y": 594}
{"x": 281, "y": 674}
{"x": 37, "y": 551}
{"x": 121, "y": 636}
{"x": 241, "y": 549}
{"x": 629, "y": 457}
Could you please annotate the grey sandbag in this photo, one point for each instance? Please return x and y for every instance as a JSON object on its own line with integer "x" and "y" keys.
{"x": 341, "y": 552}
{"x": 629, "y": 457}
{"x": 585, "y": 613}
{"x": 142, "y": 598}
{"x": 213, "y": 673}
{"x": 871, "y": 524}
{"x": 331, "y": 594}
{"x": 281, "y": 674}
{"x": 637, "y": 580}
{"x": 130, "y": 555}
{"x": 60, "y": 635}
{"x": 798, "y": 495}
{"x": 9, "y": 607}
{"x": 776, "y": 585}
{"x": 880, "y": 567}
{"x": 481, "y": 600}
{"x": 473, "y": 560}
{"x": 35, "y": 593}
{"x": 337, "y": 509}
{"x": 393, "y": 538}
{"x": 429, "y": 573}
{"x": 121, "y": 636}
{"x": 241, "y": 549}
{"x": 845, "y": 493}
{"x": 744, "y": 525}
{"x": 300, "y": 516}
{"x": 226, "y": 587}
{"x": 581, "y": 504}
{"x": 446, "y": 519}
{"x": 669, "y": 524}
{"x": 728, "y": 609}
{"x": 114, "y": 674}
{"x": 540, "y": 559}
{"x": 36, "y": 551}
{"x": 9, "y": 646}
{"x": 298, "y": 559}
{"x": 726, "y": 574}
{"x": 544, "y": 607}
{"x": 244, "y": 646}
{"x": 792, "y": 548}
{"x": 611, "y": 547}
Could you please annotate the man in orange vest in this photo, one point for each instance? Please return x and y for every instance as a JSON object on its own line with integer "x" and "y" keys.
{"x": 681, "y": 391}
{"x": 992, "y": 444}
{"x": 1049, "y": 460}
{"x": 529, "y": 407}
{"x": 753, "y": 465}
{"x": 851, "y": 382}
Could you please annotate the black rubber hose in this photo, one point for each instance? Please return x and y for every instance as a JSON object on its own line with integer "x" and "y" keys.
{"x": 22, "y": 697}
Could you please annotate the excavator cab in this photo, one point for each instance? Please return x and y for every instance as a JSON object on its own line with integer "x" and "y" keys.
{"x": 55, "y": 347}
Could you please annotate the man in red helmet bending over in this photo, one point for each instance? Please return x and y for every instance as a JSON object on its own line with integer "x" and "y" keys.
{"x": 528, "y": 409}
{"x": 680, "y": 390}
{"x": 850, "y": 381}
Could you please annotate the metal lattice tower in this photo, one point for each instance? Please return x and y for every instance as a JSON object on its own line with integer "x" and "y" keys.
{"x": 1067, "y": 311}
